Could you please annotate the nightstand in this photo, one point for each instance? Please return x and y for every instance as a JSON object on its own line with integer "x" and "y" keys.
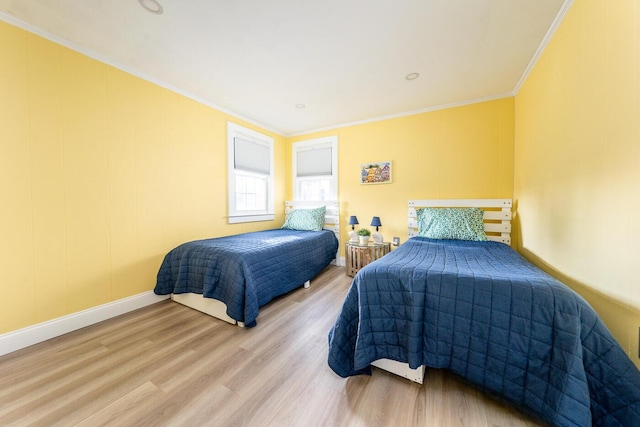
{"x": 360, "y": 255}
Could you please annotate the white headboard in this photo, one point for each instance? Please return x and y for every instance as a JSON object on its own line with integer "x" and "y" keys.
{"x": 331, "y": 217}
{"x": 497, "y": 215}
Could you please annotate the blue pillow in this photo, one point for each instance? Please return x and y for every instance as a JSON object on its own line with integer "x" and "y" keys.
{"x": 451, "y": 223}
{"x": 305, "y": 219}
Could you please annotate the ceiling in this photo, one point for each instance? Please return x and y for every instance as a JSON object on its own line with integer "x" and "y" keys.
{"x": 344, "y": 61}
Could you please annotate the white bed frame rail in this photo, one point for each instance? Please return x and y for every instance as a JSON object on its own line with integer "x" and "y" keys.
{"x": 497, "y": 225}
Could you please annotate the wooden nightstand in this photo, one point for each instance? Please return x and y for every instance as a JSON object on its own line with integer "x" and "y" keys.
{"x": 360, "y": 255}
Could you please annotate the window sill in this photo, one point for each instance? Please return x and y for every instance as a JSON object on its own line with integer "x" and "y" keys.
{"x": 250, "y": 218}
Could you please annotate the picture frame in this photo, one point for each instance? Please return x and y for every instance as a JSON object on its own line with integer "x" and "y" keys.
{"x": 376, "y": 173}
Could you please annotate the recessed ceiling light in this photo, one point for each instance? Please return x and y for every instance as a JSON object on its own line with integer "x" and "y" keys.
{"x": 300, "y": 105}
{"x": 412, "y": 76}
{"x": 152, "y": 6}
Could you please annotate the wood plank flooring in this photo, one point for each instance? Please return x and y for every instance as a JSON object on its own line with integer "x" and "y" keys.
{"x": 169, "y": 365}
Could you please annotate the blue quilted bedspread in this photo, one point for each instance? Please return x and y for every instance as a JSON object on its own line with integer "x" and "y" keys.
{"x": 246, "y": 271}
{"x": 482, "y": 311}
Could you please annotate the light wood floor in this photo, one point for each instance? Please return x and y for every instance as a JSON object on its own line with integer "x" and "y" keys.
{"x": 169, "y": 365}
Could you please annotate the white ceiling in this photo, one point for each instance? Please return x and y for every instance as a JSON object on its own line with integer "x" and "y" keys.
{"x": 345, "y": 60}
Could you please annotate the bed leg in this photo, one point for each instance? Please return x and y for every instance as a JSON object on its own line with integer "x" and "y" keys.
{"x": 307, "y": 284}
{"x": 241, "y": 324}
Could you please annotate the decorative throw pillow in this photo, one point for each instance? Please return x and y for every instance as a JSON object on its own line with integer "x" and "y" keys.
{"x": 451, "y": 223}
{"x": 305, "y": 219}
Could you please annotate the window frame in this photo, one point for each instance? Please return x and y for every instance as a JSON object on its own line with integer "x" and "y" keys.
{"x": 311, "y": 144}
{"x": 234, "y": 215}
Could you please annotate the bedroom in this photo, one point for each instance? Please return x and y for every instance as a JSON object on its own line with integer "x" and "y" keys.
{"x": 78, "y": 234}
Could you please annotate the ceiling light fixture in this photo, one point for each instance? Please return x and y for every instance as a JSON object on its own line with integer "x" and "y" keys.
{"x": 300, "y": 105}
{"x": 412, "y": 76}
{"x": 152, "y": 6}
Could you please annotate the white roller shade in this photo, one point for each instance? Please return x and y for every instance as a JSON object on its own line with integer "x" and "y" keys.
{"x": 251, "y": 156}
{"x": 314, "y": 162}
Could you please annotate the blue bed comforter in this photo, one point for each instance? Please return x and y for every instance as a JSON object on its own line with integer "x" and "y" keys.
{"x": 246, "y": 271}
{"x": 482, "y": 311}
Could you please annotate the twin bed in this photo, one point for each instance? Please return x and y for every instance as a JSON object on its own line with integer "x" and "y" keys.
{"x": 231, "y": 277}
{"x": 482, "y": 311}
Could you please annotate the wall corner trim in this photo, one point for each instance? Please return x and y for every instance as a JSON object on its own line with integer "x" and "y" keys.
{"x": 35, "y": 334}
{"x": 564, "y": 9}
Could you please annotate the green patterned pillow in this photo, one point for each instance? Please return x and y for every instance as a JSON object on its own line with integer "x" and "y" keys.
{"x": 451, "y": 223}
{"x": 305, "y": 219}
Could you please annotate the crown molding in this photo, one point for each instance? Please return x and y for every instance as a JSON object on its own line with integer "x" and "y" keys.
{"x": 543, "y": 45}
{"x": 12, "y": 20}
{"x": 407, "y": 113}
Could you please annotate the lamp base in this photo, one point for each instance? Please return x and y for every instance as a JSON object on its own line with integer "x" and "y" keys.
{"x": 353, "y": 236}
{"x": 377, "y": 237}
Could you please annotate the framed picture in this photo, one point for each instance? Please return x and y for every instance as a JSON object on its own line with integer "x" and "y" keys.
{"x": 375, "y": 173}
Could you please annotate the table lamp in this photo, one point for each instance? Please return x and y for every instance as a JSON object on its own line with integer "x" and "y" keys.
{"x": 377, "y": 237}
{"x": 353, "y": 236}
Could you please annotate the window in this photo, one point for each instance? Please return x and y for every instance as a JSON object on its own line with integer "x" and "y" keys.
{"x": 250, "y": 165}
{"x": 315, "y": 169}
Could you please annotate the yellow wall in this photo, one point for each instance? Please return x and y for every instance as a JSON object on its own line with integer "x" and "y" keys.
{"x": 462, "y": 152}
{"x": 101, "y": 173}
{"x": 577, "y": 167}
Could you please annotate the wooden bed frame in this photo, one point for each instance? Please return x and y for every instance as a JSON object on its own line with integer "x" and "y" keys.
{"x": 218, "y": 309}
{"x": 497, "y": 225}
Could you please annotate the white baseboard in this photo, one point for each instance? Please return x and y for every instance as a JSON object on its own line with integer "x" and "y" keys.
{"x": 30, "y": 335}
